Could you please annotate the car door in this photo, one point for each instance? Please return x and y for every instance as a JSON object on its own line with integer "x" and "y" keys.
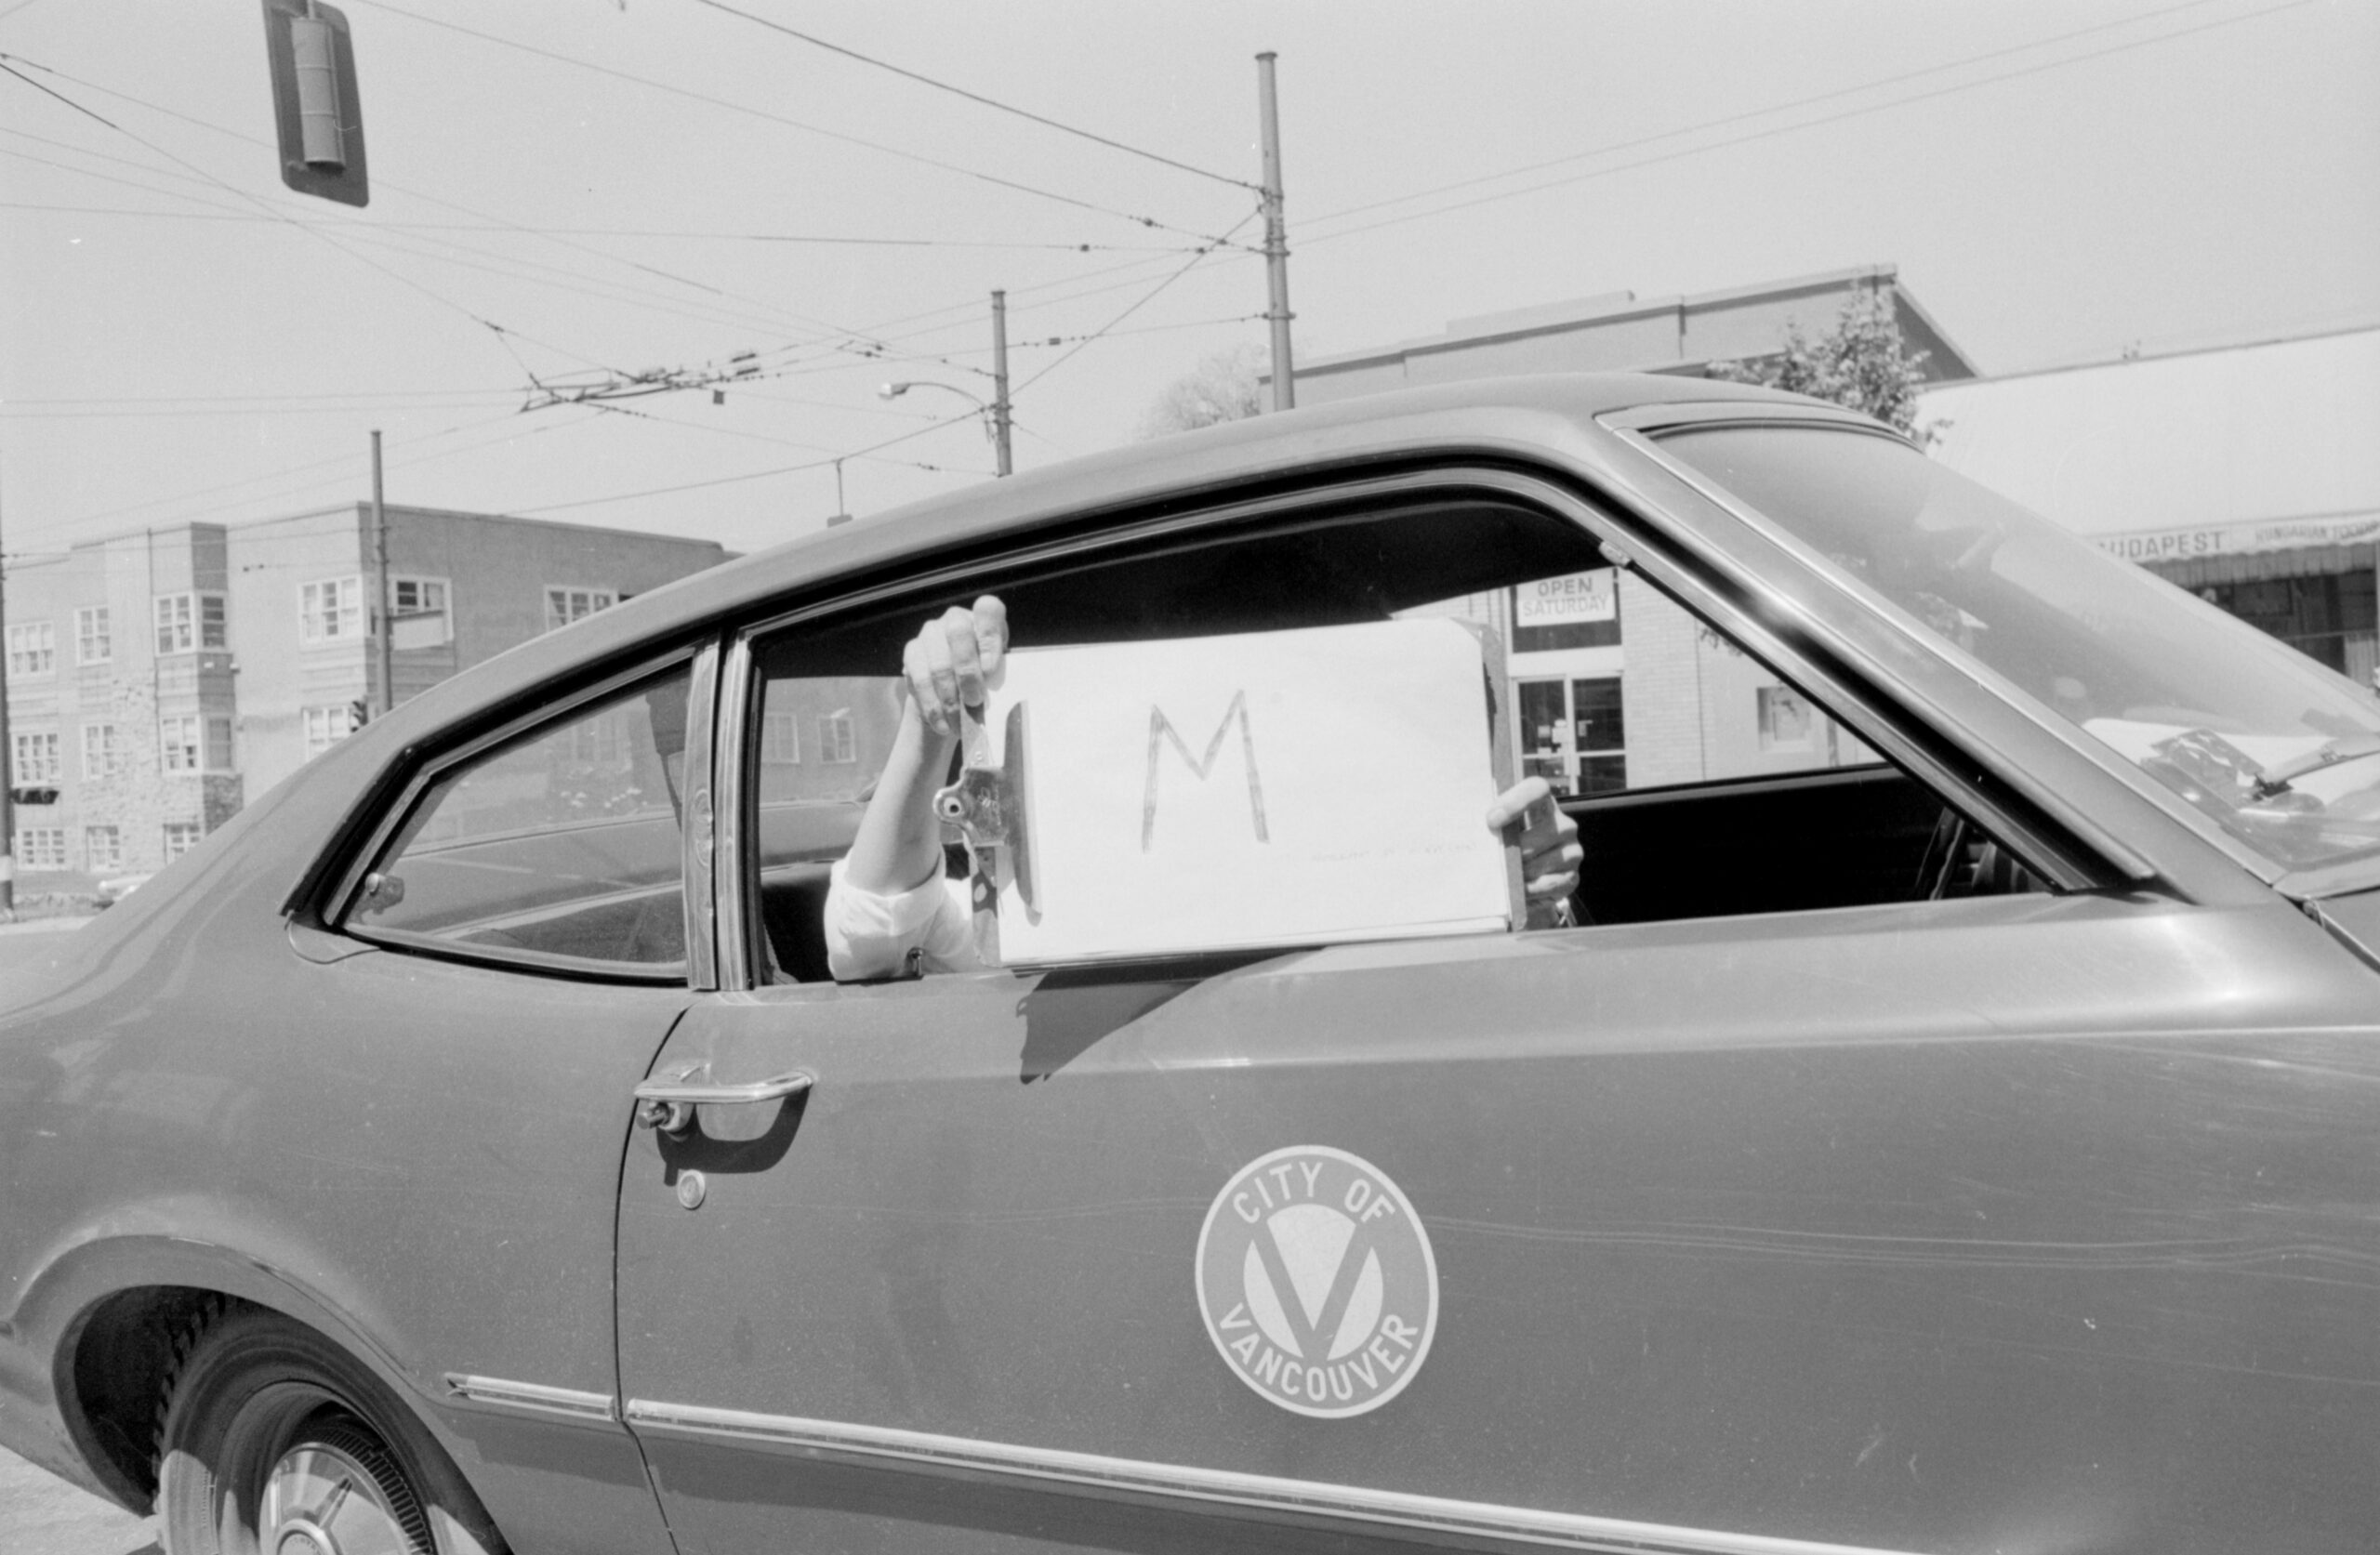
{"x": 2018, "y": 1220}
{"x": 511, "y": 950}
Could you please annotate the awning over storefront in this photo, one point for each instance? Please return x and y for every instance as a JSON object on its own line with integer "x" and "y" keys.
{"x": 2263, "y": 548}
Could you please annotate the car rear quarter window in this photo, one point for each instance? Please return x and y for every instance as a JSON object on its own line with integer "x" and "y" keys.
{"x": 559, "y": 847}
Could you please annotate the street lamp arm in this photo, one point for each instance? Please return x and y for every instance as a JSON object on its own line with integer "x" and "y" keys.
{"x": 895, "y": 391}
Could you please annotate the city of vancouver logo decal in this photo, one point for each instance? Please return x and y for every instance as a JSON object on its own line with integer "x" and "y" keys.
{"x": 1317, "y": 1281}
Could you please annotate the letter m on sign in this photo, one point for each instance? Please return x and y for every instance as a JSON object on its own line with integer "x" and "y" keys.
{"x": 1161, "y": 734}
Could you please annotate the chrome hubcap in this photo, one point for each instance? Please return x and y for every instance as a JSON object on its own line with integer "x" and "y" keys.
{"x": 320, "y": 1501}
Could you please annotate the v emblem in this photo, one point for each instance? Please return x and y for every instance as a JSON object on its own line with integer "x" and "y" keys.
{"x": 1314, "y": 1259}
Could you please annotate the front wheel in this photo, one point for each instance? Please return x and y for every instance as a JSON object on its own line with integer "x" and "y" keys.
{"x": 273, "y": 1440}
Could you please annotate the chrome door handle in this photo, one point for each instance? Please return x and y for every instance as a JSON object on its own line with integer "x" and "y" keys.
{"x": 667, "y": 1106}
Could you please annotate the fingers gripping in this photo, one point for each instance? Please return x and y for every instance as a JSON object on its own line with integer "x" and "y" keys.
{"x": 959, "y": 668}
{"x": 991, "y": 637}
{"x": 955, "y": 660}
{"x": 1548, "y": 845}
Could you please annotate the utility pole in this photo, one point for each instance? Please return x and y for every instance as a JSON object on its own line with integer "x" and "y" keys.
{"x": 1276, "y": 238}
{"x": 387, "y": 699}
{"x": 999, "y": 381}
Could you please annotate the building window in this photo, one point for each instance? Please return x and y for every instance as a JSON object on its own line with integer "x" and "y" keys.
{"x": 780, "y": 740}
{"x": 103, "y": 754}
{"x": 330, "y": 610}
{"x": 1574, "y": 733}
{"x": 41, "y": 847}
{"x": 180, "y": 837}
{"x": 92, "y": 644}
{"x": 33, "y": 649}
{"x": 187, "y": 622}
{"x": 421, "y": 596}
{"x": 102, "y": 849}
{"x": 327, "y": 726}
{"x": 418, "y": 613}
{"x": 838, "y": 743}
{"x": 565, "y": 605}
{"x": 219, "y": 756}
{"x": 178, "y": 739}
{"x": 35, "y": 758}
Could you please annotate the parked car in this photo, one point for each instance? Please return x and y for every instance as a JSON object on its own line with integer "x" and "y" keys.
{"x": 1953, "y": 1126}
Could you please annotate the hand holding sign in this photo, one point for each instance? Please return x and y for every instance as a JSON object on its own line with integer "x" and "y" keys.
{"x": 954, "y": 662}
{"x": 1156, "y": 829}
{"x": 1549, "y": 844}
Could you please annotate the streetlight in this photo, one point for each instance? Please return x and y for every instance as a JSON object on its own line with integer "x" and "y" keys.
{"x": 995, "y": 423}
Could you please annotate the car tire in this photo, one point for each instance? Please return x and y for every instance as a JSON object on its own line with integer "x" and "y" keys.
{"x": 273, "y": 1440}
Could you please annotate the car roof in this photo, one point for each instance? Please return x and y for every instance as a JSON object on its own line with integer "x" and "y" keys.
{"x": 1550, "y": 417}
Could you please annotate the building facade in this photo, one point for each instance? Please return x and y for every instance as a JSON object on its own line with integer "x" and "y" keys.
{"x": 156, "y": 680}
{"x": 1621, "y": 333}
{"x": 2245, "y": 470}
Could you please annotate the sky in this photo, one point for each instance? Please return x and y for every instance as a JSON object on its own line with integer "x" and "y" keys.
{"x": 566, "y": 193}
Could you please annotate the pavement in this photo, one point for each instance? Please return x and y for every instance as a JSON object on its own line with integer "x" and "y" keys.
{"x": 41, "y": 1514}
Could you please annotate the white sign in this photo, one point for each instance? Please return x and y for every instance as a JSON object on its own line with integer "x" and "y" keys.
{"x": 1571, "y": 600}
{"x": 1317, "y": 1281}
{"x": 1240, "y": 792}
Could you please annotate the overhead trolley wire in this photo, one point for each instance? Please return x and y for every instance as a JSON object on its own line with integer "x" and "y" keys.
{"x": 776, "y": 311}
{"x": 821, "y": 237}
{"x": 1772, "y": 132}
{"x": 376, "y": 236}
{"x": 358, "y": 458}
{"x": 816, "y": 42}
{"x": 752, "y": 475}
{"x": 1771, "y": 110}
{"x": 919, "y": 157}
{"x": 240, "y": 193}
{"x": 882, "y": 334}
{"x": 1140, "y": 303}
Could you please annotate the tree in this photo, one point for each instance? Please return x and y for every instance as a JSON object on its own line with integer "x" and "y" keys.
{"x": 1862, "y": 364}
{"x": 1226, "y": 387}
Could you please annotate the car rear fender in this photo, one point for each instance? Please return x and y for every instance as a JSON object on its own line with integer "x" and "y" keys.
{"x": 43, "y": 1413}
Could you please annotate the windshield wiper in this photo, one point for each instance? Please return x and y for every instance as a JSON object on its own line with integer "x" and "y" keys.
{"x": 2277, "y": 779}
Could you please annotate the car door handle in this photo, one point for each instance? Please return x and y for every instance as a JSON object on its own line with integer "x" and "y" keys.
{"x": 667, "y": 1106}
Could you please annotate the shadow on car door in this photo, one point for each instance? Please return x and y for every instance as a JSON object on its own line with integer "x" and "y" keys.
{"x": 2024, "y": 1222}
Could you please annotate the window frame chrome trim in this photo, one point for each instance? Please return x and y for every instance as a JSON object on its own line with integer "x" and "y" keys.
{"x": 734, "y": 931}
{"x": 696, "y": 769}
{"x": 1609, "y": 523}
{"x": 1253, "y": 1496}
{"x": 342, "y": 896}
{"x": 2167, "y": 802}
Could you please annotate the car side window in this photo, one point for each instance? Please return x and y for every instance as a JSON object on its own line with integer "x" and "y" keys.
{"x": 1704, "y": 782}
{"x": 558, "y": 846}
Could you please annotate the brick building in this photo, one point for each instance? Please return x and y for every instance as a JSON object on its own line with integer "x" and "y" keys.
{"x": 156, "y": 679}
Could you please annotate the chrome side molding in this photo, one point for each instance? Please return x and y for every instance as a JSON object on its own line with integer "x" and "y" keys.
{"x": 535, "y": 1397}
{"x": 1260, "y": 1496}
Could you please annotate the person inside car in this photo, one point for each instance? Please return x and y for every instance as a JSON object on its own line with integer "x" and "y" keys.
{"x": 890, "y": 906}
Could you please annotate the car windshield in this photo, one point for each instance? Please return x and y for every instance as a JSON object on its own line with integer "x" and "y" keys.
{"x": 2284, "y": 753}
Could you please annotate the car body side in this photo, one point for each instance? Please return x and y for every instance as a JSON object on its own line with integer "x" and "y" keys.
{"x": 208, "y": 1090}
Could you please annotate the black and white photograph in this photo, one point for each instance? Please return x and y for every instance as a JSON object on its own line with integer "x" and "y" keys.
{"x": 793, "y": 777}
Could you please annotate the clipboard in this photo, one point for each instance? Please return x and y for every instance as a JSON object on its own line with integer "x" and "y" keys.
{"x": 1143, "y": 800}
